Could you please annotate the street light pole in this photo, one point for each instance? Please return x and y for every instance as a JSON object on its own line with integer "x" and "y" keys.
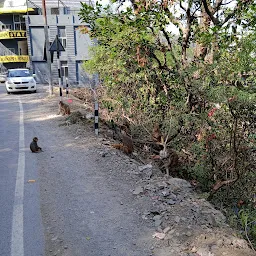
{"x": 47, "y": 46}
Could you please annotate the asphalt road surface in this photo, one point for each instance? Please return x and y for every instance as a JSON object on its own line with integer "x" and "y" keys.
{"x": 63, "y": 201}
{"x": 21, "y": 230}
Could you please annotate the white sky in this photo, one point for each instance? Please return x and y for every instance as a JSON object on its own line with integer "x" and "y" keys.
{"x": 103, "y": 2}
{"x": 14, "y": 3}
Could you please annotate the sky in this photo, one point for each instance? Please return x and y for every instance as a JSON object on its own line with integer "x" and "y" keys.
{"x": 14, "y": 3}
{"x": 104, "y": 2}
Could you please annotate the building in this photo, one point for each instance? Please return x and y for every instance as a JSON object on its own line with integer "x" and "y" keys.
{"x": 13, "y": 36}
{"x": 23, "y": 27}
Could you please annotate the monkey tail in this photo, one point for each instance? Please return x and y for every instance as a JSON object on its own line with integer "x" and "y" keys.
{"x": 122, "y": 147}
{"x": 117, "y": 146}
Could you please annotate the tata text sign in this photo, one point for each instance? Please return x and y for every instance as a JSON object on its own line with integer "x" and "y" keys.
{"x": 13, "y": 34}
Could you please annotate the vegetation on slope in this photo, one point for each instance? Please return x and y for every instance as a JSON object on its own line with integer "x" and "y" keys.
{"x": 198, "y": 85}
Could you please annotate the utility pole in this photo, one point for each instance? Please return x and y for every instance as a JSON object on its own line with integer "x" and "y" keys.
{"x": 47, "y": 46}
{"x": 59, "y": 68}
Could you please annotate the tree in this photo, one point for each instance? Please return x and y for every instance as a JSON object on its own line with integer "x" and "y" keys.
{"x": 195, "y": 77}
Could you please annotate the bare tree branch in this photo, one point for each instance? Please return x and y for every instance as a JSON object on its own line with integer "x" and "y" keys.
{"x": 170, "y": 47}
{"x": 218, "y": 4}
{"x": 223, "y": 4}
{"x": 152, "y": 54}
{"x": 182, "y": 7}
{"x": 210, "y": 13}
{"x": 196, "y": 10}
{"x": 220, "y": 184}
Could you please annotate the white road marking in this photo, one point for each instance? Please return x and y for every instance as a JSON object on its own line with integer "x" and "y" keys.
{"x": 17, "y": 244}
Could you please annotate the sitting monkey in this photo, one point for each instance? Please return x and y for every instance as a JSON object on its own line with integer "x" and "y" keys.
{"x": 156, "y": 133}
{"x": 127, "y": 145}
{"x": 64, "y": 109}
{"x": 34, "y": 147}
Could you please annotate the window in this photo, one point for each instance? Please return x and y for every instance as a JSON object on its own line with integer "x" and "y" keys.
{"x": 66, "y": 10}
{"x": 81, "y": 75}
{"x": 19, "y": 22}
{"x": 64, "y": 68}
{"x": 55, "y": 11}
{"x": 64, "y": 71}
{"x": 16, "y": 18}
{"x": 19, "y": 73}
{"x": 62, "y": 36}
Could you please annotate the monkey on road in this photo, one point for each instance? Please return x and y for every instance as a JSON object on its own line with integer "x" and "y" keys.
{"x": 34, "y": 147}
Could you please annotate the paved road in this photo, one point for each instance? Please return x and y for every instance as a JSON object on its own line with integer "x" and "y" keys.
{"x": 21, "y": 232}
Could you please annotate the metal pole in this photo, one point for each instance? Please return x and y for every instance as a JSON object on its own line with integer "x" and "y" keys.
{"x": 47, "y": 42}
{"x": 27, "y": 28}
{"x": 96, "y": 106}
{"x": 67, "y": 87}
{"x": 59, "y": 70}
{"x": 96, "y": 118}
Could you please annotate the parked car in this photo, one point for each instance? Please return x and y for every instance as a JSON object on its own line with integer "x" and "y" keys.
{"x": 20, "y": 80}
{"x": 2, "y": 78}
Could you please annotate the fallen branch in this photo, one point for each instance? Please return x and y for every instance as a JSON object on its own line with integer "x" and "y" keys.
{"x": 220, "y": 184}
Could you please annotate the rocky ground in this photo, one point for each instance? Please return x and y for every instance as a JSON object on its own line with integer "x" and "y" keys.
{"x": 180, "y": 221}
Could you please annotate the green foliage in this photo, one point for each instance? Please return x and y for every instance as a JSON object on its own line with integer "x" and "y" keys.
{"x": 245, "y": 221}
{"x": 248, "y": 220}
{"x": 198, "y": 84}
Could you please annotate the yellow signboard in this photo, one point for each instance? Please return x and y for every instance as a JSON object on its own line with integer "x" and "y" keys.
{"x": 22, "y": 9}
{"x": 13, "y": 34}
{"x": 14, "y": 58}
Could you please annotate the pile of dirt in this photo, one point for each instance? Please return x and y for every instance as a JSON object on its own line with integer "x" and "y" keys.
{"x": 75, "y": 117}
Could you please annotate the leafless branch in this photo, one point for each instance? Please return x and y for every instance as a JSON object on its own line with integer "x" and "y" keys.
{"x": 170, "y": 47}
{"x": 157, "y": 60}
{"x": 196, "y": 10}
{"x": 210, "y": 13}
{"x": 222, "y": 4}
{"x": 182, "y": 7}
{"x": 218, "y": 4}
{"x": 219, "y": 184}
